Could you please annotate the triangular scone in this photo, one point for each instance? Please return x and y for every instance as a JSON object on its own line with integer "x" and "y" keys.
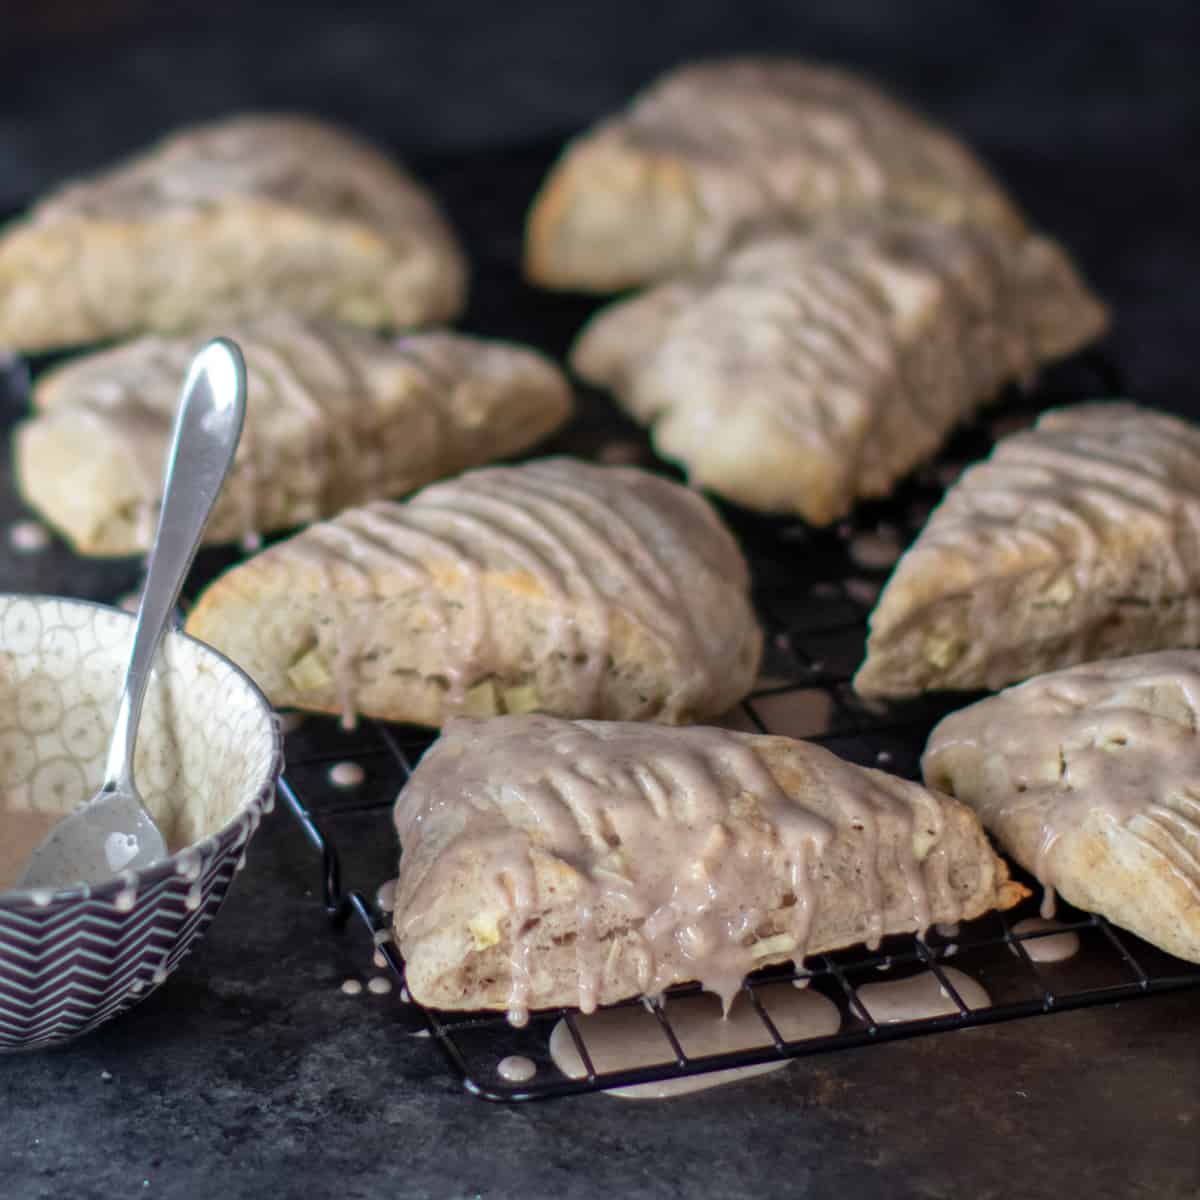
{"x": 335, "y": 416}
{"x": 1090, "y": 778}
{"x": 1076, "y": 540}
{"x": 803, "y": 372}
{"x": 715, "y": 148}
{"x": 551, "y": 862}
{"x": 252, "y": 215}
{"x": 557, "y": 586}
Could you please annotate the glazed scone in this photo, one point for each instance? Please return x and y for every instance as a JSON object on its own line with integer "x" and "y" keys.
{"x": 1075, "y": 541}
{"x": 550, "y": 862}
{"x": 713, "y": 149}
{"x": 805, "y": 372}
{"x": 335, "y": 416}
{"x": 557, "y": 586}
{"x": 235, "y": 219}
{"x": 1090, "y": 778}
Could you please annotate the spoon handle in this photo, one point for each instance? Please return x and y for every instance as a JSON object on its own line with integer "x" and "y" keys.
{"x": 207, "y": 428}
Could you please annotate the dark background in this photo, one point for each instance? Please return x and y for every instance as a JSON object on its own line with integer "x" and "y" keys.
{"x": 1090, "y": 111}
{"x": 249, "y": 1073}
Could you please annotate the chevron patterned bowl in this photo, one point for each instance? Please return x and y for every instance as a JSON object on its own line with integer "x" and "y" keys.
{"x": 208, "y": 754}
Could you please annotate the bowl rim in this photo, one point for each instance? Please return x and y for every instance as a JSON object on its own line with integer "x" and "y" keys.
{"x": 213, "y": 844}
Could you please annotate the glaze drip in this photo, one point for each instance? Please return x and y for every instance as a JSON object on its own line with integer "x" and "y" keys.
{"x": 1102, "y": 750}
{"x": 801, "y": 141}
{"x": 297, "y": 163}
{"x": 335, "y": 417}
{"x": 858, "y": 347}
{"x": 585, "y": 545}
{"x": 1076, "y": 540}
{"x": 679, "y": 841}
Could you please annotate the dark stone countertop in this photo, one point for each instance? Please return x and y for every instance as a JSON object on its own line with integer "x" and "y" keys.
{"x": 249, "y": 1073}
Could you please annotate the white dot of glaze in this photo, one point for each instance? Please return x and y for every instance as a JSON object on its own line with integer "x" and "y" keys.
{"x": 862, "y": 591}
{"x": 289, "y": 722}
{"x": 124, "y": 900}
{"x": 379, "y": 984}
{"x": 346, "y": 775}
{"x": 621, "y": 454}
{"x": 192, "y": 900}
{"x": 874, "y": 551}
{"x": 28, "y": 537}
{"x": 351, "y": 987}
{"x": 378, "y": 959}
{"x": 386, "y": 896}
{"x": 516, "y": 1068}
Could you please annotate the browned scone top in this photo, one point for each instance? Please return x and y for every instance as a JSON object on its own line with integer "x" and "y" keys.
{"x": 558, "y": 586}
{"x": 550, "y": 862}
{"x": 335, "y": 416}
{"x": 1090, "y": 778}
{"x": 1074, "y": 541}
{"x": 234, "y": 219}
{"x": 804, "y": 372}
{"x": 714, "y": 148}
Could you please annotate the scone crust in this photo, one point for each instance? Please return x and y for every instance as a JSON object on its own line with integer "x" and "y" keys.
{"x": 805, "y": 372}
{"x": 335, "y": 417}
{"x": 1088, "y": 777}
{"x": 236, "y": 219}
{"x": 1075, "y": 541}
{"x": 460, "y": 936}
{"x": 557, "y": 586}
{"x": 715, "y": 148}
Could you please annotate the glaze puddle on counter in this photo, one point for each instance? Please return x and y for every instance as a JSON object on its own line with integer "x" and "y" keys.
{"x": 919, "y": 997}
{"x": 623, "y": 1039}
{"x": 1052, "y": 947}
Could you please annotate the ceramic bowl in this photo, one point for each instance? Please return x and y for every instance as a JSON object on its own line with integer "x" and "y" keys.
{"x": 208, "y": 753}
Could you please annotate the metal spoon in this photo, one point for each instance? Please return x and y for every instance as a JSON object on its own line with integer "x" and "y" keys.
{"x": 112, "y": 831}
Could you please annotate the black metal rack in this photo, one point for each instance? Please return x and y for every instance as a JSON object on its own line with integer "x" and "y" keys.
{"x": 815, "y": 624}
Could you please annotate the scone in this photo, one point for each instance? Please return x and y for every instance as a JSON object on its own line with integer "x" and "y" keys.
{"x": 550, "y": 862}
{"x": 335, "y": 416}
{"x": 243, "y": 217}
{"x": 1090, "y": 778}
{"x": 713, "y": 149}
{"x": 1075, "y": 541}
{"x": 804, "y": 372}
{"x": 557, "y": 586}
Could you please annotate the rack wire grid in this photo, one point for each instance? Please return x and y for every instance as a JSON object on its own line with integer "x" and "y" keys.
{"x": 813, "y": 599}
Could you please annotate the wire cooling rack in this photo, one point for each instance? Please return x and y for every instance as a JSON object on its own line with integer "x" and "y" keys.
{"x": 813, "y": 591}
